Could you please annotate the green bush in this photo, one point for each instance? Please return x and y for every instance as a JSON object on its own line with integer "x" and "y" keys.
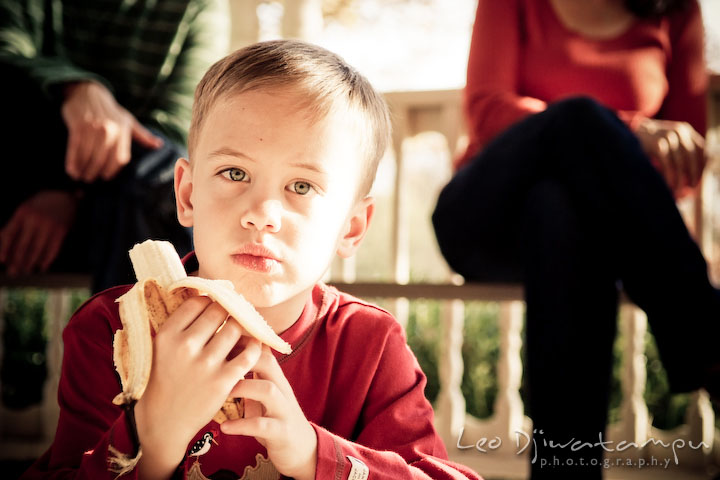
{"x": 24, "y": 340}
{"x": 480, "y": 356}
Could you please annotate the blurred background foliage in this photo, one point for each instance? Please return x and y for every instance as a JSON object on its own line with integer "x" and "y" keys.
{"x": 24, "y": 337}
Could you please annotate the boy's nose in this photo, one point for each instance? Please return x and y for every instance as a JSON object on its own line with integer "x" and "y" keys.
{"x": 263, "y": 215}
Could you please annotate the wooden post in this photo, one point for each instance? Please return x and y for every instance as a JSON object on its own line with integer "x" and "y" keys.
{"x": 302, "y": 19}
{"x": 244, "y": 21}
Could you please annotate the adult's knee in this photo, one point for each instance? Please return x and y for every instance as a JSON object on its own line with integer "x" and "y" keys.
{"x": 579, "y": 107}
{"x": 587, "y": 119}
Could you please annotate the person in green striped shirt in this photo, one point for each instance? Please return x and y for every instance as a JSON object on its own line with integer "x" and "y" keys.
{"x": 96, "y": 99}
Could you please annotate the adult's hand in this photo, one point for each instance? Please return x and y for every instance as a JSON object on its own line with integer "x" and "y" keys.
{"x": 32, "y": 238}
{"x": 100, "y": 132}
{"x": 676, "y": 148}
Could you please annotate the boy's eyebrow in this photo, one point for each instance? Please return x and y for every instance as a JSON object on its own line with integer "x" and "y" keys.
{"x": 308, "y": 166}
{"x": 227, "y": 151}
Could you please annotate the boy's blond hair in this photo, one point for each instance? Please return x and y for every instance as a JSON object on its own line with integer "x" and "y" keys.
{"x": 323, "y": 78}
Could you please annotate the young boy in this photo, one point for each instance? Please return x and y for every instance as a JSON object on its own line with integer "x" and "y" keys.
{"x": 283, "y": 148}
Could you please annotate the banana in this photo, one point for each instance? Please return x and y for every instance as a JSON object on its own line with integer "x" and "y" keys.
{"x": 161, "y": 287}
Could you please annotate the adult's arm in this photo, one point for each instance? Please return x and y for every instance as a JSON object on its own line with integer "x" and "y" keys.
{"x": 492, "y": 101}
{"x": 687, "y": 74}
{"x": 23, "y": 29}
{"x": 674, "y": 139}
{"x": 207, "y": 40}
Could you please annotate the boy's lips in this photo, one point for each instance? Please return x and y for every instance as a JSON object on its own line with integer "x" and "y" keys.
{"x": 255, "y": 257}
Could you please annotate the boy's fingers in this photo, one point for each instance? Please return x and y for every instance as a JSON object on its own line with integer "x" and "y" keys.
{"x": 268, "y": 368}
{"x": 223, "y": 341}
{"x": 207, "y": 323}
{"x": 245, "y": 361}
{"x": 186, "y": 314}
{"x": 253, "y": 408}
{"x": 258, "y": 427}
{"x": 266, "y": 393}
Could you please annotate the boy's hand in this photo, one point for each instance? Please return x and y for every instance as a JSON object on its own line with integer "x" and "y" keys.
{"x": 194, "y": 369}
{"x": 274, "y": 417}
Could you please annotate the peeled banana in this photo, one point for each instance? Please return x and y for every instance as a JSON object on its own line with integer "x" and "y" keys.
{"x": 161, "y": 287}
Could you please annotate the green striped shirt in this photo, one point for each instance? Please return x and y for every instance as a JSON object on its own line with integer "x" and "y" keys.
{"x": 150, "y": 53}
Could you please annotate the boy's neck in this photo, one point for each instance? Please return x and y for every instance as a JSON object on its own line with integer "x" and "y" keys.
{"x": 284, "y": 315}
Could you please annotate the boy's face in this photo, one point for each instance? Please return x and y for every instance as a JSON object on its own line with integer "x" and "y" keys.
{"x": 272, "y": 195}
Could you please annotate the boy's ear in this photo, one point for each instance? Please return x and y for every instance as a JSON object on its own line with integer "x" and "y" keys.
{"x": 356, "y": 227}
{"x": 183, "y": 192}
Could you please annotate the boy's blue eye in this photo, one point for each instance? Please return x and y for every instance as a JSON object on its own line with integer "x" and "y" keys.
{"x": 236, "y": 174}
{"x": 301, "y": 188}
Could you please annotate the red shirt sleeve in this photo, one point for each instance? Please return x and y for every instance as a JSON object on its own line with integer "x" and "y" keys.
{"x": 492, "y": 102}
{"x": 397, "y": 439}
{"x": 687, "y": 75}
{"x": 89, "y": 423}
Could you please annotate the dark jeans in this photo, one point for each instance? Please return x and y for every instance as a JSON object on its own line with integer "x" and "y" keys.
{"x": 567, "y": 202}
{"x": 113, "y": 215}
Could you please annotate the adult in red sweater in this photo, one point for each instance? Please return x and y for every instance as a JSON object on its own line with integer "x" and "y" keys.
{"x": 585, "y": 122}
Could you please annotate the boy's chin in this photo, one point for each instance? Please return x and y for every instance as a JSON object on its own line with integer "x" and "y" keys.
{"x": 260, "y": 294}
{"x": 268, "y": 295}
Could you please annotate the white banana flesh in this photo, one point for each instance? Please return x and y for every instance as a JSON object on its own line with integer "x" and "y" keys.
{"x": 161, "y": 287}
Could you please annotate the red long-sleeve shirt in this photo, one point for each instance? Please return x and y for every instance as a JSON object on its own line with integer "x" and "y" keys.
{"x": 522, "y": 57}
{"x": 351, "y": 370}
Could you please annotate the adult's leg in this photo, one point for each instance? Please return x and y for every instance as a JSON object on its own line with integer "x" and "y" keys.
{"x": 33, "y": 141}
{"x": 539, "y": 236}
{"x": 137, "y": 205}
{"x": 571, "y": 297}
{"x": 585, "y": 148}
{"x": 590, "y": 161}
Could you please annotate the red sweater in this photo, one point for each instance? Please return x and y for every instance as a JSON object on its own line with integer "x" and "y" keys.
{"x": 351, "y": 370}
{"x": 522, "y": 58}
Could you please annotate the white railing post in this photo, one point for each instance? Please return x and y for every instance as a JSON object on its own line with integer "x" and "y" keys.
{"x": 57, "y": 313}
{"x": 302, "y": 19}
{"x": 450, "y": 404}
{"x": 509, "y": 408}
{"x": 634, "y": 425}
{"x": 401, "y": 235}
{"x": 245, "y": 25}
